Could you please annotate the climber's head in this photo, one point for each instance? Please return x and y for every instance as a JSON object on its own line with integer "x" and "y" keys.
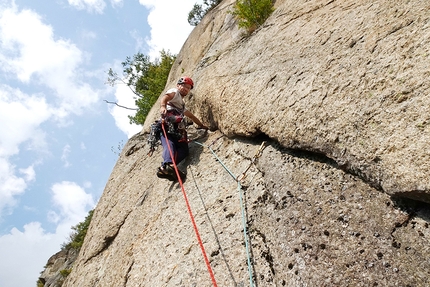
{"x": 185, "y": 84}
{"x": 186, "y": 81}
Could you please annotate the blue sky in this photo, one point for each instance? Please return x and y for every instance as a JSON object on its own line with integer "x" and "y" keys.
{"x": 58, "y": 138}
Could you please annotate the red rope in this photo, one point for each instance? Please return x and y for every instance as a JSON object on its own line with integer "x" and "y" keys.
{"x": 189, "y": 210}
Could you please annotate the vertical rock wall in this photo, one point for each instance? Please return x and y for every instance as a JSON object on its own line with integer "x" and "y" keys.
{"x": 343, "y": 78}
{"x": 309, "y": 223}
{"x": 338, "y": 91}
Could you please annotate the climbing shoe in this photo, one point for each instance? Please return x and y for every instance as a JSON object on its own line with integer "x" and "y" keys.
{"x": 166, "y": 171}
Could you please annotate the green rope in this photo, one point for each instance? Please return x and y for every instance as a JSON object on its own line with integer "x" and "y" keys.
{"x": 239, "y": 189}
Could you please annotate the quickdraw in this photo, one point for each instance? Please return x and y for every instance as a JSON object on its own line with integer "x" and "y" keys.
{"x": 176, "y": 129}
{"x": 254, "y": 159}
{"x": 154, "y": 136}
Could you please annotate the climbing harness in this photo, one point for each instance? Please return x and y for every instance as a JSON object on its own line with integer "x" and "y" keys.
{"x": 240, "y": 191}
{"x": 176, "y": 125}
{"x": 176, "y": 128}
{"x": 191, "y": 213}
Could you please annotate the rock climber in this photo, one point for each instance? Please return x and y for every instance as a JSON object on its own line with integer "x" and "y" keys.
{"x": 172, "y": 112}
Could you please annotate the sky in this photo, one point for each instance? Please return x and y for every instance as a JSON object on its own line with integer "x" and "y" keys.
{"x": 59, "y": 139}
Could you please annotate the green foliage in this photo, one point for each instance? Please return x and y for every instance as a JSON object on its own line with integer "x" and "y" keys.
{"x": 65, "y": 272}
{"x": 252, "y": 13}
{"x": 79, "y": 231}
{"x": 76, "y": 240}
{"x": 199, "y": 11}
{"x": 150, "y": 85}
{"x": 146, "y": 79}
{"x": 196, "y": 15}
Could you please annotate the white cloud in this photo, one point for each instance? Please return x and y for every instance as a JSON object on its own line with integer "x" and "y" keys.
{"x": 10, "y": 185}
{"x": 30, "y": 249}
{"x": 29, "y": 51}
{"x": 53, "y": 216}
{"x": 30, "y": 54}
{"x": 124, "y": 97}
{"x": 26, "y": 252}
{"x": 169, "y": 24}
{"x": 88, "y": 184}
{"x": 31, "y": 46}
{"x": 20, "y": 115}
{"x": 71, "y": 200}
{"x": 17, "y": 128}
{"x": 29, "y": 173}
{"x": 96, "y": 6}
{"x": 140, "y": 41}
{"x": 65, "y": 155}
{"x": 116, "y": 3}
{"x": 88, "y": 35}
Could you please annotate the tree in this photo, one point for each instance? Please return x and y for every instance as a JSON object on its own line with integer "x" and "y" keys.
{"x": 79, "y": 231}
{"x": 146, "y": 80}
{"x": 199, "y": 11}
{"x": 195, "y": 15}
{"x": 252, "y": 13}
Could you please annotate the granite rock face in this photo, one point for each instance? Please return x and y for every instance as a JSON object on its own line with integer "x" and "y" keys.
{"x": 334, "y": 95}
{"x": 57, "y": 267}
{"x": 346, "y": 79}
{"x": 309, "y": 223}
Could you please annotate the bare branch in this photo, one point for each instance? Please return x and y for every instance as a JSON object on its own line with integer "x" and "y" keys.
{"x": 113, "y": 79}
{"x": 115, "y": 103}
{"x": 136, "y": 93}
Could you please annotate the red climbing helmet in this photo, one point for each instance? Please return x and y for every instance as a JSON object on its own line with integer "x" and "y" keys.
{"x": 186, "y": 80}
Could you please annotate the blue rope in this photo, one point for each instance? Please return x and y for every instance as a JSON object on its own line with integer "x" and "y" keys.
{"x": 239, "y": 189}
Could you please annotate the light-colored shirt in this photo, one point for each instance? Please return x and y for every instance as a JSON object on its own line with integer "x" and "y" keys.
{"x": 177, "y": 102}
